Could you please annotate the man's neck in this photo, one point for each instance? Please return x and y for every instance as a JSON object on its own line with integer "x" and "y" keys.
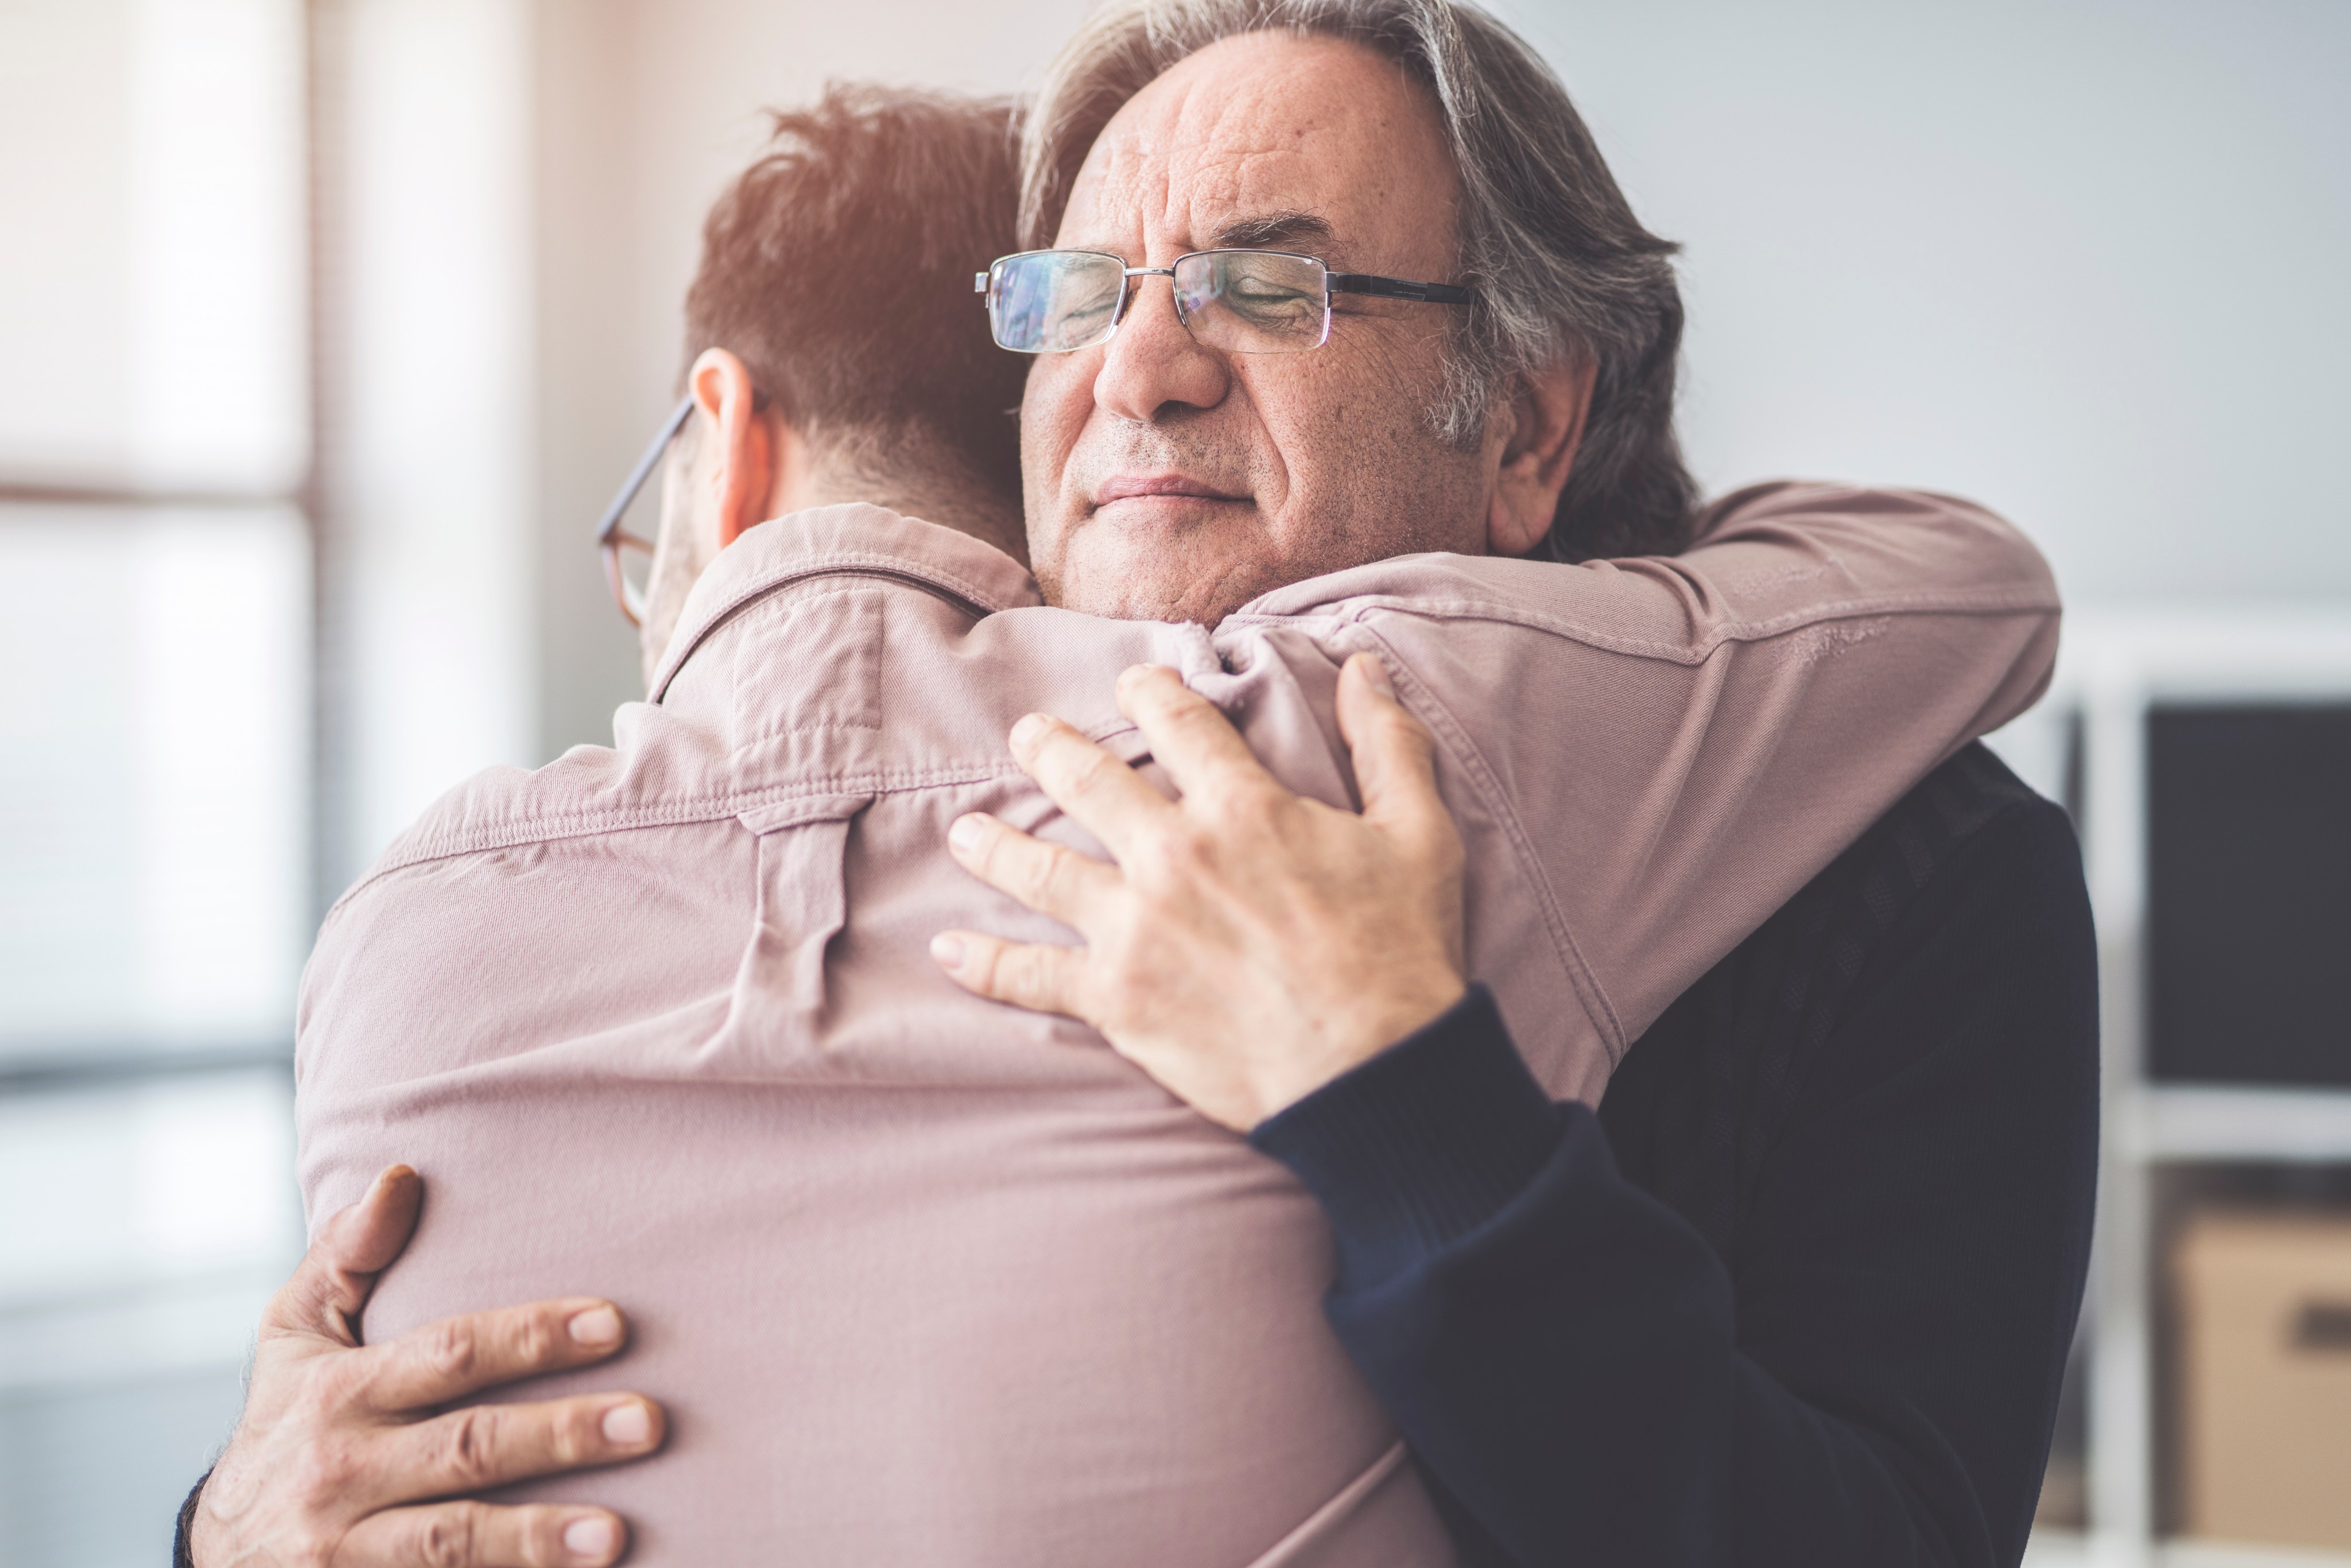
{"x": 927, "y": 491}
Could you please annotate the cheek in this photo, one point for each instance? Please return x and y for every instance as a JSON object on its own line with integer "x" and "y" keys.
{"x": 1054, "y": 407}
{"x": 1367, "y": 476}
{"x": 1345, "y": 423}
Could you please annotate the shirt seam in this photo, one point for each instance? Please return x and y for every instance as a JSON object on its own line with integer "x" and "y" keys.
{"x": 686, "y": 641}
{"x": 553, "y": 827}
{"x": 1456, "y": 739}
{"x": 2019, "y": 600}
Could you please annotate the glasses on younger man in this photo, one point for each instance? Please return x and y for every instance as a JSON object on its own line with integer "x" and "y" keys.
{"x": 628, "y": 557}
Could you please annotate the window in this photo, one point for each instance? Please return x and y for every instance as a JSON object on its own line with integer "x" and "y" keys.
{"x": 155, "y": 798}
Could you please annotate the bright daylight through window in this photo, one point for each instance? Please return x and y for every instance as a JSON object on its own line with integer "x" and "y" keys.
{"x": 154, "y": 798}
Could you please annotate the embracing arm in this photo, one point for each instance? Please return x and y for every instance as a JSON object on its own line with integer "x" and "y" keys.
{"x": 1872, "y": 1378}
{"x": 1670, "y": 747}
{"x": 1582, "y": 1374}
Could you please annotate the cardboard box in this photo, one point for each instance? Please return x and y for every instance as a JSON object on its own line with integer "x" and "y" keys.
{"x": 2264, "y": 1306}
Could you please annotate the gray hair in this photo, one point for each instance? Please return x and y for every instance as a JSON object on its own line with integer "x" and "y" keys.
{"x": 1562, "y": 268}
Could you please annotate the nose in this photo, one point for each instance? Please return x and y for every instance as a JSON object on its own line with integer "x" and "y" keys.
{"x": 1152, "y": 364}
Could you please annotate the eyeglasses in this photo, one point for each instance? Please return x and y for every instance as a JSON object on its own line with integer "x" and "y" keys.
{"x": 1241, "y": 301}
{"x": 614, "y": 539}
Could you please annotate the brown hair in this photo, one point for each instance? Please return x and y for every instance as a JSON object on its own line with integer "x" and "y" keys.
{"x": 838, "y": 268}
{"x": 1562, "y": 268}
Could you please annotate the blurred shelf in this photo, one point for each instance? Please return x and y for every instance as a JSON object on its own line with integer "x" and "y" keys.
{"x": 2052, "y": 1548}
{"x": 2213, "y": 1122}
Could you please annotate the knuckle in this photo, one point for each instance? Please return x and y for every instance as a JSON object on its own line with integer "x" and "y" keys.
{"x": 321, "y": 1472}
{"x": 982, "y": 958}
{"x": 1058, "y": 877}
{"x": 574, "y": 1434}
{"x": 983, "y": 854}
{"x": 535, "y": 1341}
{"x": 334, "y": 1385}
{"x": 469, "y": 1446}
{"x": 451, "y": 1348}
{"x": 1021, "y": 869}
{"x": 1040, "y": 979}
{"x": 1253, "y": 807}
{"x": 449, "y": 1536}
{"x": 1019, "y": 974}
{"x": 311, "y": 1547}
{"x": 1187, "y": 854}
{"x": 1091, "y": 770}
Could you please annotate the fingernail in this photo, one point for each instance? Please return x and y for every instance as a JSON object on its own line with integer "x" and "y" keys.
{"x": 947, "y": 951}
{"x": 597, "y": 1325}
{"x": 1029, "y": 730}
{"x": 627, "y": 1425}
{"x": 964, "y": 834}
{"x": 590, "y": 1538}
{"x": 1377, "y": 675}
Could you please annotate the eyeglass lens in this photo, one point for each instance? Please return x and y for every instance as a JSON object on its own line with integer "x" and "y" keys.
{"x": 1241, "y": 301}
{"x": 628, "y": 568}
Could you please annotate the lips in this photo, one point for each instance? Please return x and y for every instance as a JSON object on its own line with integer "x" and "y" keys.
{"x": 1136, "y": 486}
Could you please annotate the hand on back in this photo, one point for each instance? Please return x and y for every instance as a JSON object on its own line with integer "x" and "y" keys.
{"x": 343, "y": 1446}
{"x": 1250, "y": 944}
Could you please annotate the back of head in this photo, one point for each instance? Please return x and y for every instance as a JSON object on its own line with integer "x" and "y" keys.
{"x": 838, "y": 267}
{"x": 1562, "y": 267}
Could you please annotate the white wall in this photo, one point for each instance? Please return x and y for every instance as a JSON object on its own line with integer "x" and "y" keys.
{"x": 2085, "y": 260}
{"x": 2089, "y": 262}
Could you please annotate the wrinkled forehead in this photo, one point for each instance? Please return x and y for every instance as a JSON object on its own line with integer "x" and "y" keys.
{"x": 1312, "y": 144}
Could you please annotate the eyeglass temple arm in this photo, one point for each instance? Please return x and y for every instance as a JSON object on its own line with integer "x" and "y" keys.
{"x": 609, "y": 526}
{"x": 1401, "y": 288}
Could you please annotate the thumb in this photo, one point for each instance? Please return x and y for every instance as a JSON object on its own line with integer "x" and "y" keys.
{"x": 1395, "y": 757}
{"x": 350, "y": 1248}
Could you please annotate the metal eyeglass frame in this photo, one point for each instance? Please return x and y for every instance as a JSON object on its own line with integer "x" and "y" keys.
{"x": 611, "y": 536}
{"x": 1366, "y": 283}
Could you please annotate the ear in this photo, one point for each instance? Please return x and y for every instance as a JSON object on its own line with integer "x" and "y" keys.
{"x": 749, "y": 461}
{"x": 1546, "y": 418}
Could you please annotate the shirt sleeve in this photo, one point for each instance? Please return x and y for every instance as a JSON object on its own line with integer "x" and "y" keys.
{"x": 1583, "y": 1378}
{"x": 1649, "y": 756}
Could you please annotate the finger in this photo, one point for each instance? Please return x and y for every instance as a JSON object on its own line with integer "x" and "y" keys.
{"x": 1197, "y": 745}
{"x": 1033, "y": 975}
{"x": 485, "y": 1445}
{"x": 1394, "y": 756}
{"x": 1048, "y": 878}
{"x": 352, "y": 1247}
{"x": 456, "y": 1356}
{"x": 1110, "y": 798}
{"x": 475, "y": 1535}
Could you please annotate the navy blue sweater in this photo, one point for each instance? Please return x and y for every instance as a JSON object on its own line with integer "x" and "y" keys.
{"x": 1801, "y": 1291}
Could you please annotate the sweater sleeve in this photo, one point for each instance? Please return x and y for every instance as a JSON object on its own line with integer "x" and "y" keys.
{"x": 1584, "y": 1379}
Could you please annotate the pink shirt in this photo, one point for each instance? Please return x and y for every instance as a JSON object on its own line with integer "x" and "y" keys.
{"x": 927, "y": 1280}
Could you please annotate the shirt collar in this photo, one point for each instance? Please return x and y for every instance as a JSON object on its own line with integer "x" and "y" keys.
{"x": 851, "y": 538}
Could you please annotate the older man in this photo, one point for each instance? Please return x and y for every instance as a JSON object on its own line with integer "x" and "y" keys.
{"x": 1235, "y": 508}
{"x": 1802, "y": 1292}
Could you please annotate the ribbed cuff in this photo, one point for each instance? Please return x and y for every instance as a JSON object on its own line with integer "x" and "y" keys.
{"x": 1421, "y": 1144}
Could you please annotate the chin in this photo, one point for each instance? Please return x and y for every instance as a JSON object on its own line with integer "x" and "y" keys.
{"x": 1155, "y": 589}
{"x": 1200, "y": 576}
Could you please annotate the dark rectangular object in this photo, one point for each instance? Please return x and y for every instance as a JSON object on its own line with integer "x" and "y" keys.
{"x": 2249, "y": 894}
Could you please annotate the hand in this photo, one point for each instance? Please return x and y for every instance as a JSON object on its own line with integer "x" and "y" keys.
{"x": 1249, "y": 946}
{"x": 336, "y": 1436}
